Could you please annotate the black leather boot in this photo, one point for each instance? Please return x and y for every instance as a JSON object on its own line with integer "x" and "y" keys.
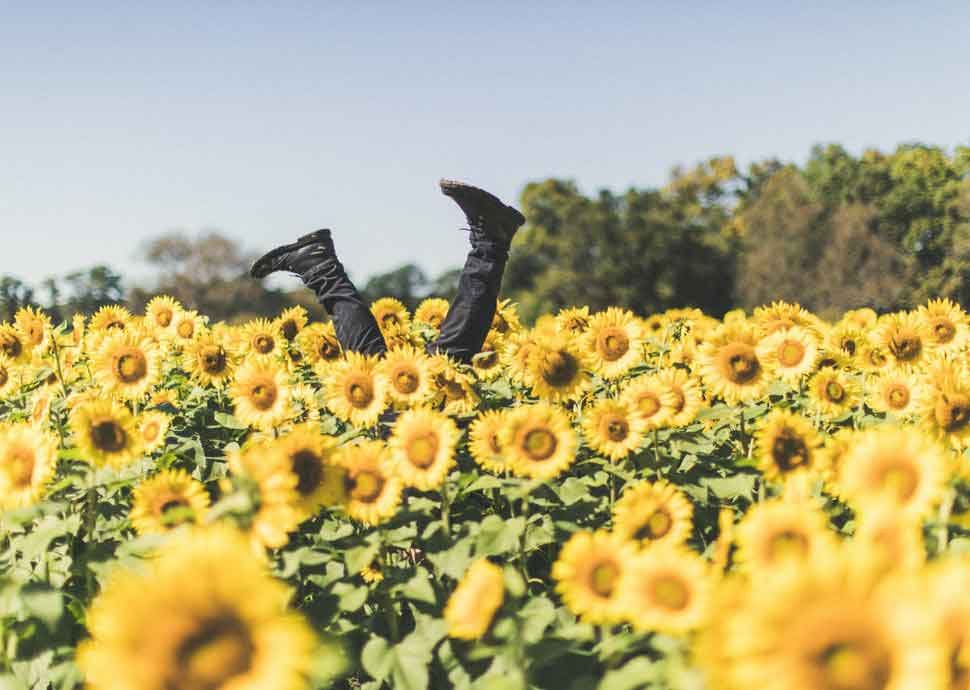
{"x": 298, "y": 257}
{"x": 486, "y": 213}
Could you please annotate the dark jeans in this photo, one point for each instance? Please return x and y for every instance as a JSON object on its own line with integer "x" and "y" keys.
{"x": 463, "y": 329}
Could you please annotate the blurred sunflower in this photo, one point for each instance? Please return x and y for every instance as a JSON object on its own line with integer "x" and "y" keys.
{"x": 651, "y": 398}
{"x": 108, "y": 318}
{"x": 484, "y": 443}
{"x": 260, "y": 394}
{"x": 432, "y": 312}
{"x": 13, "y": 345}
{"x": 518, "y": 351}
{"x": 786, "y": 444}
{"x": 390, "y": 313}
{"x": 373, "y": 495}
{"x": 422, "y": 448}
{"x": 266, "y": 479}
{"x": 487, "y": 363}
{"x": 780, "y": 315}
{"x": 28, "y": 458}
{"x": 207, "y": 360}
{"x": 187, "y": 326}
{"x": 730, "y": 366}
{"x": 864, "y": 318}
{"x": 888, "y": 540}
{"x": 311, "y": 457}
{"x": 354, "y": 392}
{"x": 35, "y": 326}
{"x": 539, "y": 440}
{"x": 472, "y": 606}
{"x": 189, "y": 621}
{"x": 895, "y": 392}
{"x": 682, "y": 395}
{"x": 651, "y": 513}
{"x": 588, "y": 572}
{"x": 872, "y": 358}
{"x": 945, "y": 589}
{"x": 8, "y": 376}
{"x": 319, "y": 345}
{"x": 613, "y": 342}
{"x": 906, "y": 339}
{"x": 407, "y": 374}
{"x": 168, "y": 500}
{"x": 612, "y": 428}
{"x": 665, "y": 590}
{"x": 779, "y": 532}
{"x": 291, "y": 321}
{"x": 261, "y": 337}
{"x": 506, "y": 319}
{"x": 833, "y": 392}
{"x": 847, "y": 339}
{"x": 453, "y": 389}
{"x": 106, "y": 433}
{"x": 573, "y": 321}
{"x": 791, "y": 353}
{"x": 127, "y": 366}
{"x": 946, "y": 324}
{"x": 160, "y": 315}
{"x": 152, "y": 429}
{"x": 557, "y": 369}
{"x": 897, "y": 464}
{"x": 655, "y": 326}
{"x": 945, "y": 408}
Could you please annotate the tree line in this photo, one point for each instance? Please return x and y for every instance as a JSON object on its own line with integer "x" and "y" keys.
{"x": 884, "y": 230}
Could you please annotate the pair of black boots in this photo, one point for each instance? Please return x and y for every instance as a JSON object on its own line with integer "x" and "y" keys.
{"x": 463, "y": 331}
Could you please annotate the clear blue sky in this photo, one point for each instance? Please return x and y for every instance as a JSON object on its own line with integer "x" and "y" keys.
{"x": 266, "y": 120}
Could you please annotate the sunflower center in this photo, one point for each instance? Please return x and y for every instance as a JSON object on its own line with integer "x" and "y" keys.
{"x": 649, "y": 405}
{"x": 35, "y": 334}
{"x": 263, "y": 395}
{"x": 952, "y": 411}
{"x": 787, "y": 544}
{"x": 576, "y": 325}
{"x": 943, "y": 331}
{"x": 788, "y": 450}
{"x": 559, "y": 368}
{"x": 897, "y": 396}
{"x": 173, "y": 511}
{"x": 208, "y": 659}
{"x": 613, "y": 344}
{"x": 214, "y": 360}
{"x": 109, "y": 436}
{"x": 493, "y": 443}
{"x": 499, "y": 323}
{"x": 390, "y": 319}
{"x": 406, "y": 381}
{"x": 4, "y": 376}
{"x": 360, "y": 393}
{"x": 186, "y": 329}
{"x": 328, "y": 349}
{"x": 131, "y": 367}
{"x": 901, "y": 480}
{"x": 164, "y": 318}
{"x": 487, "y": 359}
{"x": 834, "y": 391}
{"x": 10, "y": 345}
{"x": 264, "y": 344}
{"x": 656, "y": 526}
{"x": 366, "y": 486}
{"x": 877, "y": 358}
{"x": 290, "y": 329}
{"x": 150, "y": 431}
{"x": 540, "y": 444}
{"x": 677, "y": 398}
{"x": 308, "y": 470}
{"x": 740, "y": 364}
{"x": 849, "y": 666}
{"x": 20, "y": 467}
{"x": 602, "y": 579}
{"x": 616, "y": 428}
{"x": 422, "y": 450}
{"x": 905, "y": 347}
{"x": 791, "y": 353}
{"x": 670, "y": 592}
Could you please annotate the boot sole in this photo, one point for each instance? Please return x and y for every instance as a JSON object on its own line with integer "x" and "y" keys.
{"x": 262, "y": 266}
{"x": 450, "y": 187}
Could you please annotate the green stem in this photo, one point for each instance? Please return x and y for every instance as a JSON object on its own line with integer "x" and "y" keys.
{"x": 656, "y": 449}
{"x": 90, "y": 523}
{"x": 445, "y": 508}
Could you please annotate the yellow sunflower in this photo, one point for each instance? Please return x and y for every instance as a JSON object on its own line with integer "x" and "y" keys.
{"x": 153, "y": 428}
{"x": 665, "y": 590}
{"x": 110, "y": 317}
{"x": 518, "y": 351}
{"x": 311, "y": 457}
{"x": 651, "y": 513}
{"x": 40, "y": 407}
{"x": 267, "y": 478}
{"x": 506, "y": 319}
{"x": 833, "y": 392}
{"x": 373, "y": 495}
{"x": 453, "y": 390}
{"x": 261, "y": 337}
{"x": 291, "y": 321}
{"x": 160, "y": 314}
{"x": 204, "y": 614}
{"x": 897, "y": 464}
{"x": 422, "y": 448}
{"x": 354, "y": 392}
{"x": 945, "y": 408}
{"x": 35, "y": 326}
{"x": 306, "y": 402}
{"x": 13, "y": 344}
{"x": 588, "y": 572}
{"x": 652, "y": 399}
{"x": 106, "y": 433}
{"x": 208, "y": 361}
{"x": 318, "y": 343}
{"x": 792, "y": 353}
{"x": 864, "y": 318}
{"x": 8, "y": 376}
{"x": 873, "y": 358}
{"x": 472, "y": 606}
{"x": 847, "y": 339}
{"x": 786, "y": 444}
{"x": 613, "y": 340}
{"x": 484, "y": 442}
{"x": 906, "y": 339}
{"x": 888, "y": 540}
{"x": 779, "y": 532}
{"x": 432, "y": 312}
{"x": 557, "y": 369}
{"x": 725, "y": 540}
{"x": 682, "y": 395}
{"x": 730, "y": 365}
{"x": 260, "y": 394}
{"x": 779, "y": 316}
{"x": 573, "y": 321}
{"x": 487, "y": 363}
{"x": 168, "y": 500}
{"x": 28, "y": 458}
{"x": 612, "y": 428}
{"x": 127, "y": 366}
{"x": 187, "y": 326}
{"x": 945, "y": 589}
{"x": 946, "y": 324}
{"x": 407, "y": 374}
{"x": 895, "y": 392}
{"x": 390, "y": 313}
{"x": 539, "y": 441}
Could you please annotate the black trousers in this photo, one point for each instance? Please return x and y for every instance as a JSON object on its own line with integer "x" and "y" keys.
{"x": 463, "y": 329}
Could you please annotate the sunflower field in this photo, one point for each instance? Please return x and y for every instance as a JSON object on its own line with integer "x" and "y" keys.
{"x": 767, "y": 501}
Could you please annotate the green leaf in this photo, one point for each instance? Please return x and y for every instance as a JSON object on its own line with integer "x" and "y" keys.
{"x": 360, "y": 557}
{"x": 498, "y": 536}
{"x": 352, "y": 599}
{"x": 229, "y": 421}
{"x": 419, "y": 588}
{"x": 636, "y": 673}
{"x": 377, "y": 658}
{"x": 573, "y": 490}
{"x": 538, "y": 614}
{"x": 455, "y": 560}
{"x": 43, "y": 603}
